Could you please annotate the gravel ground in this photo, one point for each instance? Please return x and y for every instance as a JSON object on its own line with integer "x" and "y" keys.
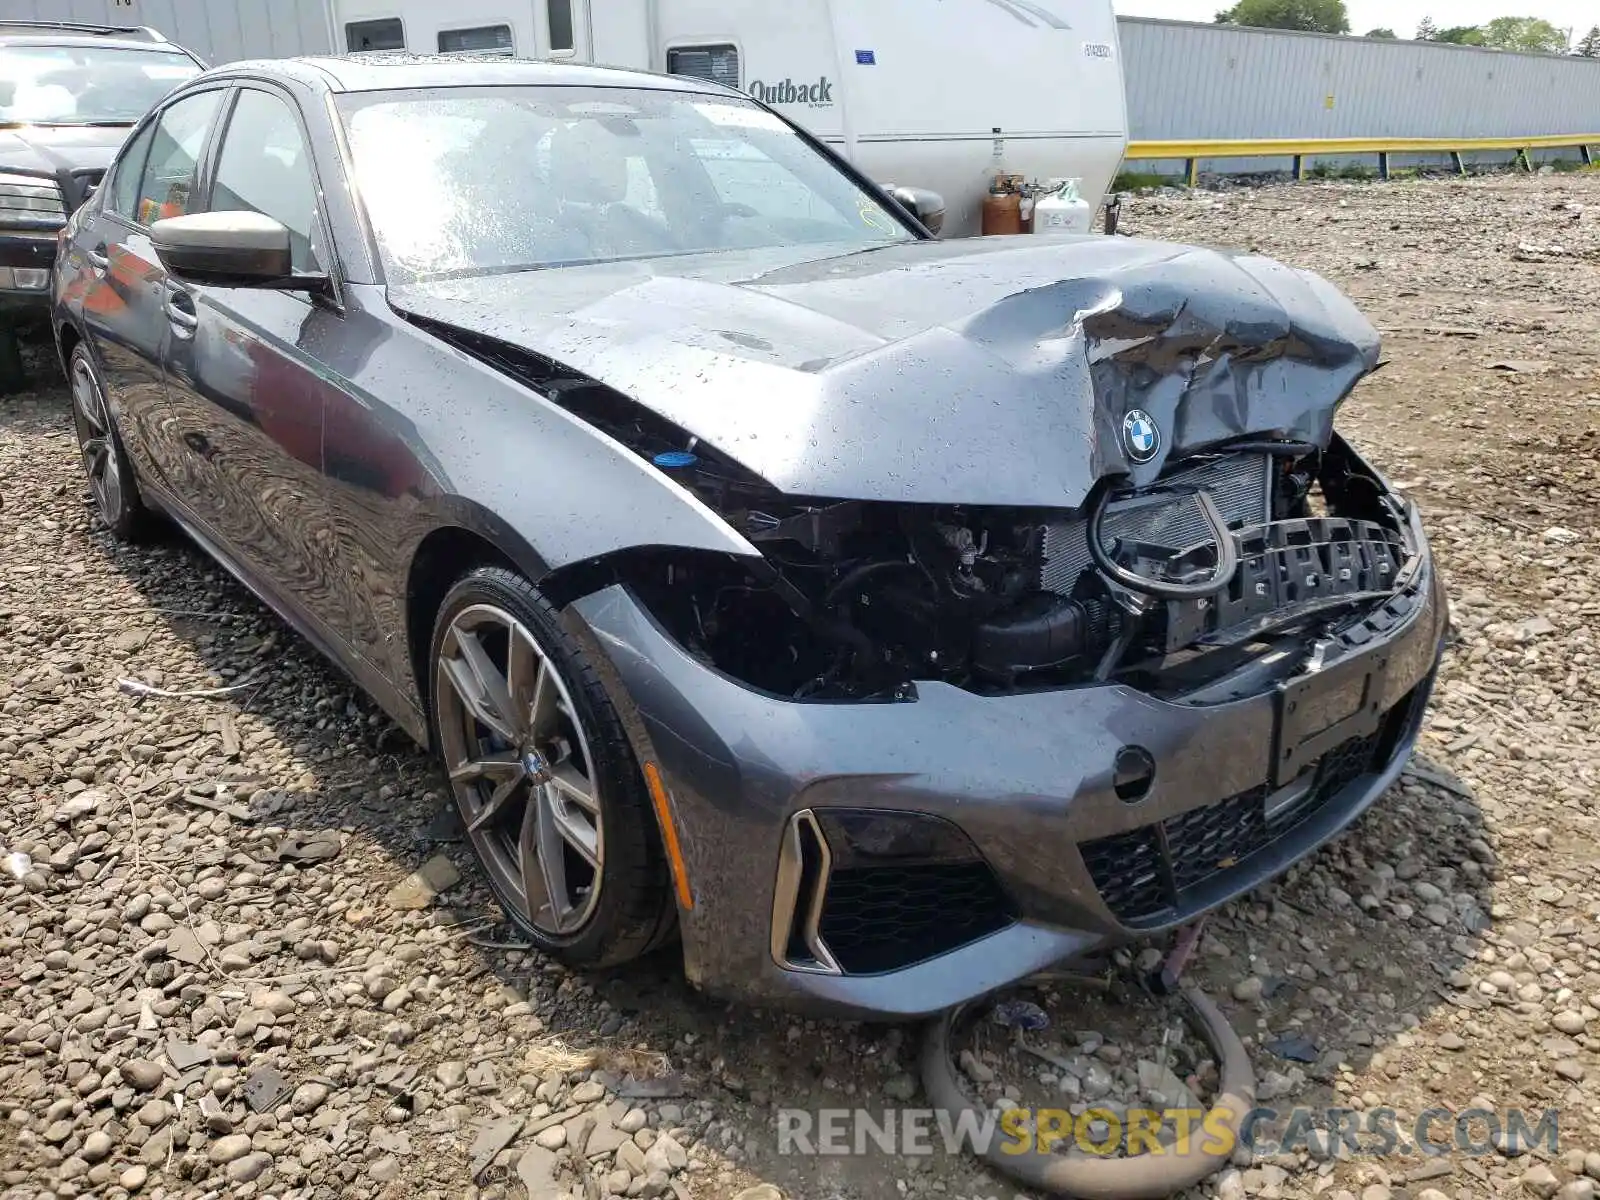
{"x": 185, "y": 1012}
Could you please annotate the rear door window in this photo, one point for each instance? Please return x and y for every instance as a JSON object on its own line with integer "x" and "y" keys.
{"x": 167, "y": 184}
{"x": 123, "y": 198}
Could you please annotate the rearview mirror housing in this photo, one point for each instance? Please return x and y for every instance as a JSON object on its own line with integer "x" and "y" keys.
{"x": 230, "y": 249}
{"x": 927, "y": 206}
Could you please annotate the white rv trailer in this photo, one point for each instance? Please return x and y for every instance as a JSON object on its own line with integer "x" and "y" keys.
{"x": 935, "y": 94}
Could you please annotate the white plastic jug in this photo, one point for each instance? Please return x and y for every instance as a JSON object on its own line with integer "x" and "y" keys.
{"x": 1062, "y": 210}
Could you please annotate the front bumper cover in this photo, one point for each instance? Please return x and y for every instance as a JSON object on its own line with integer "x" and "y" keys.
{"x": 1030, "y": 779}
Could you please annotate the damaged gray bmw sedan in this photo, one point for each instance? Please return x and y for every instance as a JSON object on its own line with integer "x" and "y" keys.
{"x": 888, "y": 618}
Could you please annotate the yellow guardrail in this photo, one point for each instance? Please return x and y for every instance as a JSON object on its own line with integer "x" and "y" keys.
{"x": 1299, "y": 149}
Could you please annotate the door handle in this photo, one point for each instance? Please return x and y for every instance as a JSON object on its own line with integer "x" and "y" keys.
{"x": 180, "y": 311}
{"x": 98, "y": 259}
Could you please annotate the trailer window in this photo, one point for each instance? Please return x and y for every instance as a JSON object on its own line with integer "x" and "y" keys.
{"x": 483, "y": 39}
{"x": 384, "y": 34}
{"x": 718, "y": 64}
{"x": 561, "y": 39}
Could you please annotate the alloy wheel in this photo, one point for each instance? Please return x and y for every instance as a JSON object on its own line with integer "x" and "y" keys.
{"x": 95, "y": 442}
{"x": 521, "y": 769}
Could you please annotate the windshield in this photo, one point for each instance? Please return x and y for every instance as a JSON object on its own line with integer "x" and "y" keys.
{"x": 86, "y": 85}
{"x": 466, "y": 181}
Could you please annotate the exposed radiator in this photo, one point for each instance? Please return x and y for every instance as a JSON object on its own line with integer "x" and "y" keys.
{"x": 1239, "y": 484}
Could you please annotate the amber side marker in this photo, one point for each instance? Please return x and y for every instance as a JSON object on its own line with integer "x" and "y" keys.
{"x": 669, "y": 835}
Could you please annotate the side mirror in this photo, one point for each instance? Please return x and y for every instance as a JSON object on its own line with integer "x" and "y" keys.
{"x": 229, "y": 249}
{"x": 926, "y": 206}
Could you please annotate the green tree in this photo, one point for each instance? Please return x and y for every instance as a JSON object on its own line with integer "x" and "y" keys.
{"x": 1381, "y": 33}
{"x": 1461, "y": 35}
{"x": 1590, "y": 46}
{"x": 1314, "y": 16}
{"x": 1531, "y": 34}
{"x": 1427, "y": 31}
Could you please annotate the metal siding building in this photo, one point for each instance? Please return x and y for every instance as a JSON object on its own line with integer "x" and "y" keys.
{"x": 1188, "y": 80}
{"x": 217, "y": 30}
{"x": 1216, "y": 81}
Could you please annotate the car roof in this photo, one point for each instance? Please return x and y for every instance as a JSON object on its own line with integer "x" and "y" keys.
{"x": 382, "y": 71}
{"x": 78, "y": 33}
{"x": 89, "y": 39}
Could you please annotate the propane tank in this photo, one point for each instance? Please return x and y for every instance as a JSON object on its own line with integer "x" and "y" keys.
{"x": 1002, "y": 207}
{"x": 1062, "y": 210}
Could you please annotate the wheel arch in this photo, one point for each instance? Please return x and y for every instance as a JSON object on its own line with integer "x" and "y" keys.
{"x": 442, "y": 557}
{"x": 473, "y": 537}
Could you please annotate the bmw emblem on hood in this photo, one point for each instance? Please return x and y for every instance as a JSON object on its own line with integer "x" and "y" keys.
{"x": 1140, "y": 435}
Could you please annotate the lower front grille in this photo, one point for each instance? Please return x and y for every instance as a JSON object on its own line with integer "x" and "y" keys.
{"x": 879, "y": 919}
{"x": 1203, "y": 837}
{"x": 1148, "y": 876}
{"x": 30, "y": 202}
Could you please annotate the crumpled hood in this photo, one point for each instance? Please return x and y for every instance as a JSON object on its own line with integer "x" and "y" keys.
{"x": 57, "y": 148}
{"x": 985, "y": 371}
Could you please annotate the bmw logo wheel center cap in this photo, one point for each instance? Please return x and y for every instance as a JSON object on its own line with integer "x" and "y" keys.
{"x": 1141, "y": 436}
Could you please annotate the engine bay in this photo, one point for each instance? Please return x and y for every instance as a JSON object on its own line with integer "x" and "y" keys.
{"x": 1247, "y": 553}
{"x": 857, "y": 600}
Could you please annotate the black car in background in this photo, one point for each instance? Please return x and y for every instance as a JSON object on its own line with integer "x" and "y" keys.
{"x": 69, "y": 94}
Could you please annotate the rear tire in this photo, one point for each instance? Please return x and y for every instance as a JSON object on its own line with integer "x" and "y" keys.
{"x": 106, "y": 466}
{"x": 545, "y": 779}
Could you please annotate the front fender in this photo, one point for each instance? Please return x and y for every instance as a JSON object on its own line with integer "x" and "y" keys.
{"x": 420, "y": 437}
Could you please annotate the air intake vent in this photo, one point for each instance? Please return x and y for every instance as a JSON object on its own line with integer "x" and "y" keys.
{"x": 885, "y": 918}
{"x": 864, "y": 891}
{"x": 803, "y": 868}
{"x": 31, "y": 202}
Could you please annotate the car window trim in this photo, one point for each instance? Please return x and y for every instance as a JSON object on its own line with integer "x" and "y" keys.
{"x": 352, "y": 189}
{"x": 333, "y": 267}
{"x": 155, "y": 115}
{"x": 121, "y": 163}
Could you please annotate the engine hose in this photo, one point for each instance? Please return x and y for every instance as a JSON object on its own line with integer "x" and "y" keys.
{"x": 1142, "y": 1177}
{"x": 1227, "y": 550}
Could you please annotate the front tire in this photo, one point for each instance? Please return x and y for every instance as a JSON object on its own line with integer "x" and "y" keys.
{"x": 546, "y": 781}
{"x": 105, "y": 462}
